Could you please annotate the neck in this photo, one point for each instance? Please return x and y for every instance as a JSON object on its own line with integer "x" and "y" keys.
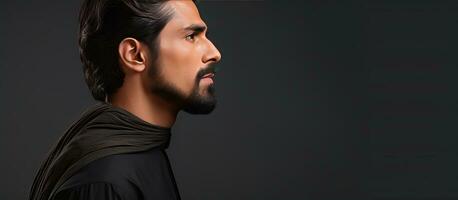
{"x": 148, "y": 107}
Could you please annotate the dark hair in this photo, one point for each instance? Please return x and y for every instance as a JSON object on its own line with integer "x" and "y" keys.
{"x": 103, "y": 25}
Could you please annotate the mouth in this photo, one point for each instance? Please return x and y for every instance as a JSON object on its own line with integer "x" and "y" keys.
{"x": 209, "y": 75}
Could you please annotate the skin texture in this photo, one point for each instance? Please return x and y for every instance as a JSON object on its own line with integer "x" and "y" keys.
{"x": 156, "y": 91}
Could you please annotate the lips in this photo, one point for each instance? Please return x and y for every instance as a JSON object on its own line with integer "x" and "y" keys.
{"x": 209, "y": 75}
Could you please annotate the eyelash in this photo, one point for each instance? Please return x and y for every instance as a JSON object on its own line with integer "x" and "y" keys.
{"x": 191, "y": 35}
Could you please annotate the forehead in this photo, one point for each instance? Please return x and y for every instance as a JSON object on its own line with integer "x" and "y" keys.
{"x": 185, "y": 13}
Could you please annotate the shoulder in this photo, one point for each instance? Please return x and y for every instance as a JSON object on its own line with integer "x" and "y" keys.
{"x": 116, "y": 174}
{"x": 92, "y": 191}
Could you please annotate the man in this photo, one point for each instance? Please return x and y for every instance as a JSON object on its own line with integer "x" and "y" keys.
{"x": 144, "y": 61}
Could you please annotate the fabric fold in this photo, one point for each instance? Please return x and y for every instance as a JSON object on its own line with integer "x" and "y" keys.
{"x": 102, "y": 130}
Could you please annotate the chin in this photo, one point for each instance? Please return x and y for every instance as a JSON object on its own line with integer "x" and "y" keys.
{"x": 201, "y": 106}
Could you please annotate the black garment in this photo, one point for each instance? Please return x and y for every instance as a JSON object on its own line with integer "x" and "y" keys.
{"x": 145, "y": 175}
{"x": 103, "y": 130}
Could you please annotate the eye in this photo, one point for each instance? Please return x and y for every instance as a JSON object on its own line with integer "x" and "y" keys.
{"x": 191, "y": 36}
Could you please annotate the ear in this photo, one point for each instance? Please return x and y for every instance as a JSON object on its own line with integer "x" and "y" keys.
{"x": 132, "y": 55}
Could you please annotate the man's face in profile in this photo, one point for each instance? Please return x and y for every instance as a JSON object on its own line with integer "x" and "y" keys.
{"x": 183, "y": 73}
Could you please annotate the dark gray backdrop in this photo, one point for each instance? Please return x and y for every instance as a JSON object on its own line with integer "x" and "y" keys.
{"x": 317, "y": 99}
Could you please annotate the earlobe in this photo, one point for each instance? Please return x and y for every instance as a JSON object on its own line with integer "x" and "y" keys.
{"x": 130, "y": 55}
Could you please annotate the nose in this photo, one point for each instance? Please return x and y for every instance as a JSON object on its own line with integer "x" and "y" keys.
{"x": 212, "y": 54}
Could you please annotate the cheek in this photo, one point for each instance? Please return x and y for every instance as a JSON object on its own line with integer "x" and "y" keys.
{"x": 178, "y": 66}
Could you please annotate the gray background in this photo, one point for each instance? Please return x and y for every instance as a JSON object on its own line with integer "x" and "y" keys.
{"x": 317, "y": 99}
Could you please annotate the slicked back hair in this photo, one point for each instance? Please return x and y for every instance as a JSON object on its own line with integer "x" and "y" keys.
{"x": 103, "y": 25}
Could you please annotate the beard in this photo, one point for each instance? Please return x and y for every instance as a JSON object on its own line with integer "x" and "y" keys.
{"x": 195, "y": 103}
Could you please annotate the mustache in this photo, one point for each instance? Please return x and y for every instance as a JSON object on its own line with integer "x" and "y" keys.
{"x": 211, "y": 68}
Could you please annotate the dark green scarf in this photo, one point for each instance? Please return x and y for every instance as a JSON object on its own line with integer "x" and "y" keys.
{"x": 101, "y": 131}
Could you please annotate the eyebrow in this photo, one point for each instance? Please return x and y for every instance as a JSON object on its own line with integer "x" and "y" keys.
{"x": 196, "y": 28}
